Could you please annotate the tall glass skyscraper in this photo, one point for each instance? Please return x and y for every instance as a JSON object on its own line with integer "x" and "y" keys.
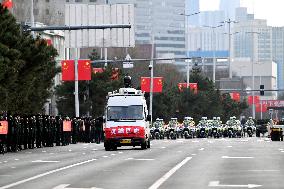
{"x": 163, "y": 19}
{"x": 229, "y": 8}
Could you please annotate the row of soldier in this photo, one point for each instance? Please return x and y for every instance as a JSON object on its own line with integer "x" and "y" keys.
{"x": 28, "y": 132}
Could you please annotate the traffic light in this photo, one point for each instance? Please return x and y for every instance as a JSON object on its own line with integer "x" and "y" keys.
{"x": 261, "y": 90}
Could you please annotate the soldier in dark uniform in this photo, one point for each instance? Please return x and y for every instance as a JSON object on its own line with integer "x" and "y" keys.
{"x": 25, "y": 132}
{"x": 74, "y": 131}
{"x": 38, "y": 131}
{"x": 98, "y": 129}
{"x": 20, "y": 132}
{"x": 87, "y": 130}
{"x": 93, "y": 130}
{"x": 58, "y": 131}
{"x": 32, "y": 132}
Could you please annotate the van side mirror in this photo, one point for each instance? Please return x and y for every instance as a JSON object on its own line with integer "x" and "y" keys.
{"x": 148, "y": 118}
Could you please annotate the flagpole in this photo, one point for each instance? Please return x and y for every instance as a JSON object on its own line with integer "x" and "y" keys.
{"x": 151, "y": 83}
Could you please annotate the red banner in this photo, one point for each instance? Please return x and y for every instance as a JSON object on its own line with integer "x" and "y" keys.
{"x": 84, "y": 70}
{"x": 3, "y": 127}
{"x": 67, "y": 126}
{"x": 68, "y": 70}
{"x": 273, "y": 103}
{"x": 235, "y": 96}
{"x": 157, "y": 84}
{"x": 252, "y": 100}
{"x": 125, "y": 131}
{"x": 260, "y": 107}
{"x": 8, "y": 4}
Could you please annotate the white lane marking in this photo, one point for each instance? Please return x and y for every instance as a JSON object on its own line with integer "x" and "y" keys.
{"x": 43, "y": 151}
{"x": 195, "y": 141}
{"x": 51, "y": 153}
{"x": 263, "y": 170}
{"x": 229, "y": 146}
{"x": 140, "y": 159}
{"x": 217, "y": 184}
{"x": 201, "y": 149}
{"x": 193, "y": 154}
{"x": 260, "y": 140}
{"x": 83, "y": 153}
{"x": 166, "y": 176}
{"x": 16, "y": 159}
{"x": 228, "y": 157}
{"x": 13, "y": 167}
{"x": 179, "y": 151}
{"x": 112, "y": 154}
{"x": 64, "y": 186}
{"x": 85, "y": 147}
{"x": 244, "y": 140}
{"x": 5, "y": 161}
{"x": 43, "y": 161}
{"x": 70, "y": 150}
{"x": 163, "y": 147}
{"x": 105, "y": 156}
{"x": 120, "y": 152}
{"x": 94, "y": 149}
{"x": 46, "y": 173}
{"x": 280, "y": 149}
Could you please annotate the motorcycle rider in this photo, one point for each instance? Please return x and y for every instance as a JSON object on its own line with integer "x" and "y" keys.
{"x": 202, "y": 128}
{"x": 250, "y": 126}
{"x": 172, "y": 128}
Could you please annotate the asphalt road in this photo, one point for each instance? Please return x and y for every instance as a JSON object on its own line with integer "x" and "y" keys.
{"x": 193, "y": 163}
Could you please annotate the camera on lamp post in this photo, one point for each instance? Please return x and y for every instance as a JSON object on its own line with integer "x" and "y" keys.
{"x": 150, "y": 67}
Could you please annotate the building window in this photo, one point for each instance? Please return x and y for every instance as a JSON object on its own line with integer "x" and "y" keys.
{"x": 78, "y": 1}
{"x": 47, "y": 11}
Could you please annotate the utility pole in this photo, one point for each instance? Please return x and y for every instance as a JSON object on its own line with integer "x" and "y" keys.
{"x": 186, "y": 42}
{"x": 229, "y": 40}
{"x": 213, "y": 47}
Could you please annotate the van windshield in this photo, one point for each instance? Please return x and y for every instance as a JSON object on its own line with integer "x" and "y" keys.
{"x": 125, "y": 113}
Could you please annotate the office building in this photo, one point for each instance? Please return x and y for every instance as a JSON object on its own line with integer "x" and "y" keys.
{"x": 191, "y": 7}
{"x": 229, "y": 7}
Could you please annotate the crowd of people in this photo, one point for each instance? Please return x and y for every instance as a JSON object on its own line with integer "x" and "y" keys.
{"x": 28, "y": 132}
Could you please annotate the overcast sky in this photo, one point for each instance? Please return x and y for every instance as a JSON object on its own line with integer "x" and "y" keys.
{"x": 271, "y": 10}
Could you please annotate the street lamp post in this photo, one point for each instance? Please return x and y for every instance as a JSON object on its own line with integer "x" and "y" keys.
{"x": 213, "y": 46}
{"x": 186, "y": 43}
{"x": 254, "y": 53}
{"x": 229, "y": 40}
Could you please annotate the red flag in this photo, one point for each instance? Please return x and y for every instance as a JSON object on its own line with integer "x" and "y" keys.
{"x": 181, "y": 86}
{"x": 251, "y": 99}
{"x": 235, "y": 96}
{"x": 3, "y": 127}
{"x": 98, "y": 70}
{"x": 145, "y": 84}
{"x": 260, "y": 107}
{"x": 157, "y": 84}
{"x": 8, "y": 4}
{"x": 84, "y": 70}
{"x": 49, "y": 42}
{"x": 68, "y": 70}
{"x": 115, "y": 74}
{"x": 193, "y": 86}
